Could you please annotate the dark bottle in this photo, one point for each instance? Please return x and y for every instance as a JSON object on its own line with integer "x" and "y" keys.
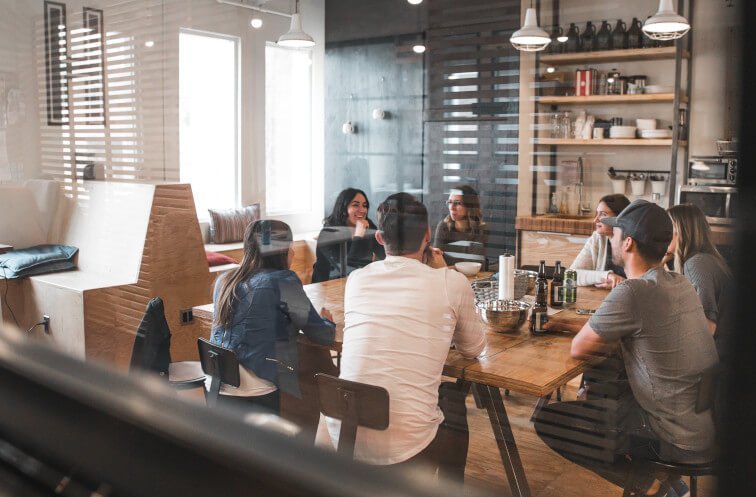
{"x": 635, "y": 34}
{"x": 556, "y": 45}
{"x": 604, "y": 37}
{"x": 588, "y": 38}
{"x": 619, "y": 35}
{"x": 556, "y": 294}
{"x": 573, "y": 39}
{"x": 539, "y": 317}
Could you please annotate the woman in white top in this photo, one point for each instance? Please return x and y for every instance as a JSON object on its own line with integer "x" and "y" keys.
{"x": 594, "y": 262}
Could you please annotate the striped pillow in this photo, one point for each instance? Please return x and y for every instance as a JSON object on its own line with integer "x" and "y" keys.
{"x": 228, "y": 225}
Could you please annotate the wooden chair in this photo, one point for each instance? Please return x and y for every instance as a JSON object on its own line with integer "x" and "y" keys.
{"x": 152, "y": 351}
{"x": 221, "y": 365}
{"x": 705, "y": 400}
{"x": 355, "y": 404}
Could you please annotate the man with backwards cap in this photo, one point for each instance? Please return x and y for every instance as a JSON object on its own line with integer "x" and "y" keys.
{"x": 655, "y": 321}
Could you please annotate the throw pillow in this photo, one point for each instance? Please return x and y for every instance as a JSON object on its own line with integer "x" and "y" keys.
{"x": 39, "y": 259}
{"x": 228, "y": 225}
{"x": 218, "y": 259}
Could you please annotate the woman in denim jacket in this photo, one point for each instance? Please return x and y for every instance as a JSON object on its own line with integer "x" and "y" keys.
{"x": 260, "y": 307}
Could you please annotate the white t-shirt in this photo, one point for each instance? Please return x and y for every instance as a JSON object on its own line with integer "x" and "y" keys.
{"x": 250, "y": 385}
{"x": 400, "y": 318}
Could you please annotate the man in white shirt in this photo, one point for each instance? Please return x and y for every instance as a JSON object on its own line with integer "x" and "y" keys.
{"x": 401, "y": 315}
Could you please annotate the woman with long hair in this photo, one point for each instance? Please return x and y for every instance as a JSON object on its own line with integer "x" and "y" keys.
{"x": 696, "y": 257}
{"x": 260, "y": 307}
{"x": 463, "y": 232}
{"x": 348, "y": 236}
{"x": 594, "y": 263}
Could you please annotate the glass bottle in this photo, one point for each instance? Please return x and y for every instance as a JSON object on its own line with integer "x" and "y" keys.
{"x": 556, "y": 294}
{"x": 619, "y": 35}
{"x": 539, "y": 315}
{"x": 588, "y": 38}
{"x": 604, "y": 36}
{"x": 635, "y": 34}
{"x": 573, "y": 39}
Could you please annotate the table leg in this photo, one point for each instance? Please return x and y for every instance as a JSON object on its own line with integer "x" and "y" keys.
{"x": 510, "y": 457}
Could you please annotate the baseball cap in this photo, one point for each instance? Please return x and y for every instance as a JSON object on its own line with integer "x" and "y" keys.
{"x": 645, "y": 222}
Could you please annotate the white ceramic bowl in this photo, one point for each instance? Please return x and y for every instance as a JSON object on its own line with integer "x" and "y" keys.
{"x": 656, "y": 133}
{"x": 622, "y": 132}
{"x": 645, "y": 124}
{"x": 468, "y": 268}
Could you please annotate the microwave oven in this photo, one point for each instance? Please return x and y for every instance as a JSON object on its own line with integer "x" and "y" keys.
{"x": 718, "y": 203}
{"x": 713, "y": 170}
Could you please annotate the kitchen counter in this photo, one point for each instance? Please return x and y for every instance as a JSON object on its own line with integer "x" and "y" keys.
{"x": 574, "y": 225}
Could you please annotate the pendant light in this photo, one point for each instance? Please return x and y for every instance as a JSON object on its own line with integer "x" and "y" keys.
{"x": 530, "y": 38}
{"x": 296, "y": 38}
{"x": 666, "y": 24}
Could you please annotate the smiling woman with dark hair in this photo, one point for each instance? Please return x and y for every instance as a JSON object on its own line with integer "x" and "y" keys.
{"x": 347, "y": 234}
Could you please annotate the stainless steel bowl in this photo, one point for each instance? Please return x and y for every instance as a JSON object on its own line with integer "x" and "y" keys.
{"x": 503, "y": 315}
{"x": 525, "y": 278}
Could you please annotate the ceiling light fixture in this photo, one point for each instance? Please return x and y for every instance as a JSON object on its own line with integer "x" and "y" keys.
{"x": 418, "y": 48}
{"x": 296, "y": 37}
{"x": 256, "y": 22}
{"x": 530, "y": 38}
{"x": 415, "y": 2}
{"x": 666, "y": 24}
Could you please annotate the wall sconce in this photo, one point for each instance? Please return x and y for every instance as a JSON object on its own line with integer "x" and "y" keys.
{"x": 348, "y": 128}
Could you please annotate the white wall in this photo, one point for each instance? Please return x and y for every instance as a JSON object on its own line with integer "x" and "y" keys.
{"x": 22, "y": 64}
{"x": 19, "y": 130}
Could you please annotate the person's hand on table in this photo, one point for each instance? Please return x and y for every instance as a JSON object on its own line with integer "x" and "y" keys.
{"x": 326, "y": 314}
{"x": 360, "y": 228}
{"x": 564, "y": 325}
{"x": 434, "y": 257}
{"x": 610, "y": 281}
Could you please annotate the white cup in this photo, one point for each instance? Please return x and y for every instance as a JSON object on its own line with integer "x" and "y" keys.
{"x": 638, "y": 186}
{"x": 598, "y": 133}
{"x": 618, "y": 185}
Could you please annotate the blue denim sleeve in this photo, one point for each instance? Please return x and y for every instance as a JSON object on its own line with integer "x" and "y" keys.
{"x": 303, "y": 315}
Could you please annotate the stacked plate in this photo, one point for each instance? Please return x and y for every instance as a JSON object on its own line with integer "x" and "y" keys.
{"x": 655, "y": 133}
{"x": 622, "y": 132}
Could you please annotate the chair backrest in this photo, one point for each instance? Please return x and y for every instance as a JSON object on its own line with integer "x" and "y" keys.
{"x": 152, "y": 344}
{"x": 355, "y": 404}
{"x": 220, "y": 364}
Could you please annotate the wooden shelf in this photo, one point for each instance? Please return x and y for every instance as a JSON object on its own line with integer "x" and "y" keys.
{"x": 610, "y": 142}
{"x": 611, "y": 56}
{"x": 610, "y": 99}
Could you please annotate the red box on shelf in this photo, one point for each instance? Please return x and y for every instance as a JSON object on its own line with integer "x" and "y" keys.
{"x": 585, "y": 82}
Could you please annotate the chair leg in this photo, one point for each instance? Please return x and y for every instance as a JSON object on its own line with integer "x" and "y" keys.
{"x": 693, "y": 486}
{"x": 559, "y": 394}
{"x": 506, "y": 392}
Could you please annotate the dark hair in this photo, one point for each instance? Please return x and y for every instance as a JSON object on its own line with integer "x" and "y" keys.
{"x": 651, "y": 253}
{"x": 338, "y": 216}
{"x": 273, "y": 255}
{"x": 471, "y": 201}
{"x": 616, "y": 202}
{"x": 402, "y": 221}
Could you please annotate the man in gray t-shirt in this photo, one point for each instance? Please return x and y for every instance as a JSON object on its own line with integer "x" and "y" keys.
{"x": 656, "y": 322}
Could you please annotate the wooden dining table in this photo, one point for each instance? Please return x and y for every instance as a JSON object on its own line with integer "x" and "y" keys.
{"x": 516, "y": 361}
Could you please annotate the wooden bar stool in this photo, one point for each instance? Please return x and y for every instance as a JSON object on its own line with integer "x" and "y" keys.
{"x": 355, "y": 404}
{"x": 705, "y": 400}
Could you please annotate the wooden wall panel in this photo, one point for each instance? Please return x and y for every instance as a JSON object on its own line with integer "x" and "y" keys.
{"x": 173, "y": 267}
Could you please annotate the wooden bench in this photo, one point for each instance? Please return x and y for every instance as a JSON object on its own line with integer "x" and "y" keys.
{"x": 304, "y": 256}
{"x": 136, "y": 241}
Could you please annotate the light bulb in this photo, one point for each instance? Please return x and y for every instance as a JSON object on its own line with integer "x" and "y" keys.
{"x": 550, "y": 69}
{"x": 415, "y": 2}
{"x": 256, "y": 22}
{"x": 562, "y": 39}
{"x": 419, "y": 48}
{"x": 149, "y": 43}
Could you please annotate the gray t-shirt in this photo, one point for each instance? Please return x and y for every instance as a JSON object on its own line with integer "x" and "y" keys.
{"x": 660, "y": 325}
{"x": 710, "y": 280}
